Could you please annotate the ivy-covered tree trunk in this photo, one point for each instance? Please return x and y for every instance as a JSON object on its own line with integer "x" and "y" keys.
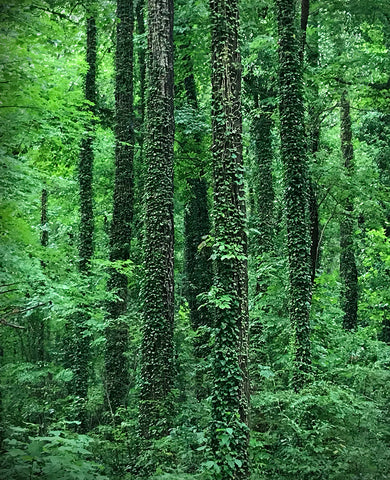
{"x": 86, "y": 155}
{"x": 198, "y": 270}
{"x": 229, "y": 430}
{"x": 314, "y": 110}
{"x": 263, "y": 189}
{"x": 348, "y": 270}
{"x": 293, "y": 151}
{"x": 139, "y": 160}
{"x": 117, "y": 377}
{"x": 197, "y": 266}
{"x": 79, "y": 343}
{"x": 157, "y": 369}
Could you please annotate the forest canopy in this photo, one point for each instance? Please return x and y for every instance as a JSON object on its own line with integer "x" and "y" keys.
{"x": 195, "y": 240}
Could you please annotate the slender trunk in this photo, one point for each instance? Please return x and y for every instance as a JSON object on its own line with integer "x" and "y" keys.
{"x": 157, "y": 369}
{"x": 86, "y": 156}
{"x": 263, "y": 189}
{"x": 314, "y": 111}
{"x": 230, "y": 393}
{"x": 293, "y": 153}
{"x": 44, "y": 229}
{"x": 348, "y": 270}
{"x": 79, "y": 343}
{"x": 117, "y": 376}
{"x": 198, "y": 267}
{"x": 139, "y": 164}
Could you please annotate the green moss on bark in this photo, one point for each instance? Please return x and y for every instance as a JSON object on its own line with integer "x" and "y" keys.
{"x": 293, "y": 151}
{"x": 157, "y": 370}
{"x": 230, "y": 392}
{"x": 117, "y": 376}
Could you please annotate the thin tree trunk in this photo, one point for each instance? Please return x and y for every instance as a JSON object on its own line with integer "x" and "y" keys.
{"x": 230, "y": 393}
{"x": 86, "y": 156}
{"x": 198, "y": 267}
{"x": 293, "y": 152}
{"x": 157, "y": 369}
{"x": 79, "y": 342}
{"x": 140, "y": 167}
{"x": 263, "y": 189}
{"x": 117, "y": 375}
{"x": 348, "y": 270}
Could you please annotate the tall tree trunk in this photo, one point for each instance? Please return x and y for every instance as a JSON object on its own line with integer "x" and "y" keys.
{"x": 139, "y": 161}
{"x": 314, "y": 111}
{"x": 117, "y": 377}
{"x": 79, "y": 342}
{"x": 348, "y": 270}
{"x": 86, "y": 156}
{"x": 230, "y": 393}
{"x": 198, "y": 267}
{"x": 157, "y": 369}
{"x": 263, "y": 189}
{"x": 293, "y": 151}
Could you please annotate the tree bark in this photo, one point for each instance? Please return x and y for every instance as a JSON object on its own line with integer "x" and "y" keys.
{"x": 117, "y": 377}
{"x": 197, "y": 263}
{"x": 348, "y": 270}
{"x": 79, "y": 342}
{"x": 293, "y": 151}
{"x": 230, "y": 393}
{"x": 157, "y": 369}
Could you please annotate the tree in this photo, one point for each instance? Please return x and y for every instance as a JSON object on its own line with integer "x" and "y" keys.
{"x": 117, "y": 381}
{"x": 229, "y": 434}
{"x": 79, "y": 345}
{"x": 293, "y": 151}
{"x": 193, "y": 142}
{"x": 158, "y": 286}
{"x": 348, "y": 270}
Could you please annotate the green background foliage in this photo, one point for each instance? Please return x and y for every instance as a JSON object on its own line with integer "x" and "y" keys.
{"x": 337, "y": 425}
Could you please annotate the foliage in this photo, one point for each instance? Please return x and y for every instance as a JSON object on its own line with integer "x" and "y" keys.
{"x": 55, "y": 455}
{"x": 337, "y": 426}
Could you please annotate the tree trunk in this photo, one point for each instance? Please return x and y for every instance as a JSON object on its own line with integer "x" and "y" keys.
{"x": 197, "y": 266}
{"x": 230, "y": 394}
{"x": 293, "y": 151}
{"x": 348, "y": 270}
{"x": 79, "y": 343}
{"x": 264, "y": 195}
{"x": 157, "y": 370}
{"x": 117, "y": 377}
{"x": 86, "y": 156}
{"x": 139, "y": 160}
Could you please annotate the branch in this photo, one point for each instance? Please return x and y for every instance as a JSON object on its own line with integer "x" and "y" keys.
{"x": 7, "y": 324}
{"x": 324, "y": 197}
{"x": 16, "y": 311}
{"x": 323, "y": 230}
{"x": 53, "y": 12}
{"x": 374, "y": 85}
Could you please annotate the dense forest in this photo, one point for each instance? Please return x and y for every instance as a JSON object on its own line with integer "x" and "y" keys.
{"x": 195, "y": 240}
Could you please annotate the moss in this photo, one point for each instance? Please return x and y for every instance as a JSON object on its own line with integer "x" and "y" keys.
{"x": 293, "y": 152}
{"x": 230, "y": 392}
{"x": 157, "y": 369}
{"x": 117, "y": 376}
